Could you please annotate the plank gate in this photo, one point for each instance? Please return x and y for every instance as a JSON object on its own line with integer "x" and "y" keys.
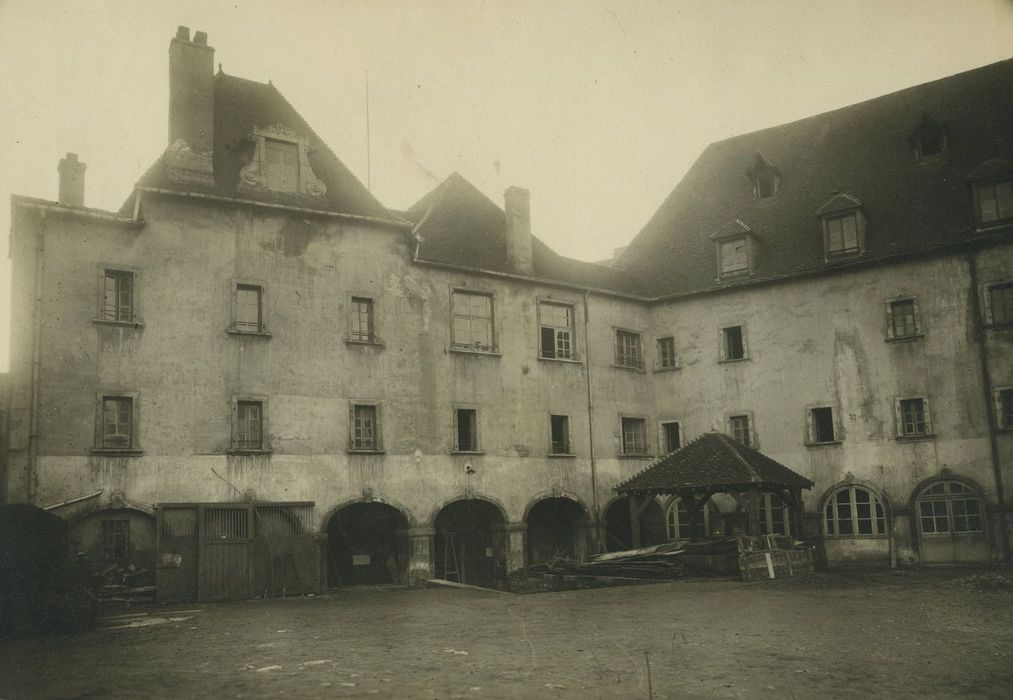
{"x": 231, "y": 551}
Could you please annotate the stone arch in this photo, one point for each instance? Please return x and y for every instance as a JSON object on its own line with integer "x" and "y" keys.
{"x": 947, "y": 475}
{"x": 555, "y": 494}
{"x": 117, "y": 537}
{"x": 470, "y": 541}
{"x": 951, "y": 526}
{"x": 616, "y": 524}
{"x": 496, "y": 503}
{"x": 884, "y": 499}
{"x": 397, "y": 505}
{"x": 367, "y": 542}
{"x": 557, "y": 525}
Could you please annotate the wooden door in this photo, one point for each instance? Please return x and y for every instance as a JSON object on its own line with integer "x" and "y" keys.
{"x": 226, "y": 570}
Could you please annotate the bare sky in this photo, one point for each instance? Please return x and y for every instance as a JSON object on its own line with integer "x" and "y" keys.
{"x": 597, "y": 107}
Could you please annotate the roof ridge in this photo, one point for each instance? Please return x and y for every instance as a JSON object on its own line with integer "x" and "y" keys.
{"x": 733, "y": 445}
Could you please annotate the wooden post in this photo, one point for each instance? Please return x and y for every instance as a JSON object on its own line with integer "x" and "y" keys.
{"x": 635, "y": 540}
{"x": 753, "y": 514}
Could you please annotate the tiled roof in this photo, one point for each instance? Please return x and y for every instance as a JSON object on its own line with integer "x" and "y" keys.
{"x": 241, "y": 105}
{"x": 910, "y": 204}
{"x": 458, "y": 225}
{"x": 712, "y": 460}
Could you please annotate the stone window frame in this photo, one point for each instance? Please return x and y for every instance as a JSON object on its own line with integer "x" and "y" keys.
{"x": 659, "y": 365}
{"x": 377, "y": 445}
{"x": 353, "y": 298}
{"x": 476, "y": 429}
{"x": 860, "y": 232}
{"x": 662, "y": 434}
{"x": 877, "y": 511}
{"x": 135, "y": 315}
{"x": 1000, "y": 395}
{"x": 99, "y": 446}
{"x": 977, "y": 188}
{"x": 946, "y": 495}
{"x": 619, "y": 360}
{"x": 723, "y": 346}
{"x": 754, "y": 441}
{"x": 891, "y": 328}
{"x": 986, "y": 306}
{"x": 574, "y": 355}
{"x": 265, "y": 433}
{"x": 900, "y": 432}
{"x": 235, "y": 286}
{"x": 643, "y": 420}
{"x": 568, "y": 452}
{"x": 492, "y": 350}
{"x": 253, "y": 176}
{"x": 811, "y": 426}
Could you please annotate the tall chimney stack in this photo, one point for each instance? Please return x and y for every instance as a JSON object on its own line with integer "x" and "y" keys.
{"x": 518, "y": 230}
{"x": 71, "y": 181}
{"x": 191, "y": 108}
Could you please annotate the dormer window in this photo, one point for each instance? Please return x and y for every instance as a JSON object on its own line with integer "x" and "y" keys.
{"x": 279, "y": 163}
{"x": 734, "y": 249}
{"x": 995, "y": 201}
{"x": 843, "y": 221}
{"x": 282, "y": 165}
{"x": 928, "y": 138}
{"x": 765, "y": 177}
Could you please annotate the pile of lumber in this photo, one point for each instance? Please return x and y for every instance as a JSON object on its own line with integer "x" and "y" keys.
{"x": 664, "y": 561}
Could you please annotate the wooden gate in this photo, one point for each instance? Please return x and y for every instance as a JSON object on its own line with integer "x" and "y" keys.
{"x": 225, "y": 565}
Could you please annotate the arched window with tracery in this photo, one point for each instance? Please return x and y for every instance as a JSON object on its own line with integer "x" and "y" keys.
{"x": 853, "y": 511}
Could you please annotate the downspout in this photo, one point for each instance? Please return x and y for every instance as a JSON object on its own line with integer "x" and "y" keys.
{"x": 590, "y": 426}
{"x": 33, "y": 431}
{"x": 986, "y": 381}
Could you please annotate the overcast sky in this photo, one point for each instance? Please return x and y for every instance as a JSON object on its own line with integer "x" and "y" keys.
{"x": 597, "y": 107}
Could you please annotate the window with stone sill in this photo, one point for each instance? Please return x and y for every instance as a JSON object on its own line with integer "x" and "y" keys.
{"x": 1004, "y": 408}
{"x": 117, "y": 297}
{"x": 116, "y": 423}
{"x": 912, "y": 417}
{"x": 559, "y": 435}
{"x": 249, "y": 424}
{"x": 902, "y": 319}
{"x": 634, "y": 436}
{"x": 556, "y": 330}
{"x": 361, "y": 321}
{"x": 629, "y": 350}
{"x": 466, "y": 430}
{"x": 249, "y": 305}
{"x": 364, "y": 427}
{"x": 667, "y": 358}
{"x": 741, "y": 429}
{"x": 821, "y": 425}
{"x": 733, "y": 343}
{"x": 854, "y": 511}
{"x": 999, "y": 304}
{"x": 473, "y": 327}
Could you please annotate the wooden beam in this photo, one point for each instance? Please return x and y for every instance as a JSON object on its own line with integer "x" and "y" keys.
{"x": 634, "y": 522}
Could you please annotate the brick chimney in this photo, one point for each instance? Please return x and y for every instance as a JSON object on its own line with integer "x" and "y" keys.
{"x": 191, "y": 108}
{"x": 71, "y": 181}
{"x": 518, "y": 230}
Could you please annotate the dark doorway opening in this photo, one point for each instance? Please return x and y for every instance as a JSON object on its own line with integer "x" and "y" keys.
{"x": 618, "y": 533}
{"x": 553, "y": 530}
{"x": 366, "y": 544}
{"x": 470, "y": 544}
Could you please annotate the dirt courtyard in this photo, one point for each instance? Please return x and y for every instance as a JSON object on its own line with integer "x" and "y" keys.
{"x": 925, "y": 633}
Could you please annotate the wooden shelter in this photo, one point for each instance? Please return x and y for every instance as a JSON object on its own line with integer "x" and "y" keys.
{"x": 712, "y": 464}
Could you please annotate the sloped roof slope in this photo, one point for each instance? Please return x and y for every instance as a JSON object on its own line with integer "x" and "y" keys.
{"x": 458, "y": 225}
{"x": 912, "y": 205}
{"x": 712, "y": 459}
{"x": 241, "y": 105}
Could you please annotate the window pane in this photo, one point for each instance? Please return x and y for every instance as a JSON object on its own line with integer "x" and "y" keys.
{"x": 634, "y": 435}
{"x": 672, "y": 437}
{"x": 472, "y": 320}
{"x": 116, "y": 418}
{"x": 248, "y": 307}
{"x": 364, "y": 428}
{"x": 118, "y": 296}
{"x": 666, "y": 352}
{"x": 823, "y": 424}
{"x": 902, "y": 318}
{"x": 734, "y": 348}
{"x": 628, "y": 350}
{"x": 912, "y": 416}
{"x": 560, "y": 434}
{"x": 740, "y": 429}
{"x": 1001, "y": 301}
{"x": 362, "y": 319}
{"x": 249, "y": 416}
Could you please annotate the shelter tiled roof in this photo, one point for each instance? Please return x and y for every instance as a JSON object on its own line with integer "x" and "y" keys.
{"x": 241, "y": 105}
{"x": 911, "y": 204}
{"x": 712, "y": 460}
{"x": 458, "y": 225}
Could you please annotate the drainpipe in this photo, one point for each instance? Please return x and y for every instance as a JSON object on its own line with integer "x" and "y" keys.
{"x": 590, "y": 425}
{"x": 986, "y": 381}
{"x": 33, "y": 409}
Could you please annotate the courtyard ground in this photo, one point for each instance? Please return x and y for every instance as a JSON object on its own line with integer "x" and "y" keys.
{"x": 911, "y": 633}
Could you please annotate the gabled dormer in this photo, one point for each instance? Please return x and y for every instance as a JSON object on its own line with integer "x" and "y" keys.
{"x": 765, "y": 176}
{"x": 929, "y": 138}
{"x": 844, "y": 222}
{"x": 734, "y": 247}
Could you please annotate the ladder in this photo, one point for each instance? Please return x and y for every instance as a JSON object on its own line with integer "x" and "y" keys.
{"x": 450, "y": 558}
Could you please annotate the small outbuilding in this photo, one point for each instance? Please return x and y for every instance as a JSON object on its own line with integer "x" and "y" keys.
{"x": 715, "y": 464}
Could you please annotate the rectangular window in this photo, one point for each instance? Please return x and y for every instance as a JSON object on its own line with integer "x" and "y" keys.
{"x": 734, "y": 256}
{"x": 629, "y": 352}
{"x": 739, "y": 428}
{"x": 821, "y": 425}
{"x": 995, "y": 201}
{"x": 666, "y": 353}
{"x": 556, "y": 330}
{"x": 249, "y": 425}
{"x": 634, "y": 436}
{"x": 733, "y": 343}
{"x": 1004, "y": 407}
{"x": 902, "y": 319}
{"x": 671, "y": 432}
{"x": 118, "y": 296}
{"x": 842, "y": 234}
{"x": 360, "y": 319}
{"x": 999, "y": 304}
{"x": 117, "y": 420}
{"x": 365, "y": 428}
{"x": 282, "y": 165}
{"x": 473, "y": 321}
{"x": 559, "y": 427}
{"x": 466, "y": 430}
{"x": 249, "y": 308}
{"x": 115, "y": 539}
{"x": 912, "y": 417}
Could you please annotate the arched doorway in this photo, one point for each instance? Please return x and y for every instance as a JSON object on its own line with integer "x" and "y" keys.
{"x": 120, "y": 542}
{"x": 618, "y": 535}
{"x": 366, "y": 544}
{"x": 951, "y": 524}
{"x": 469, "y": 543}
{"x": 554, "y": 530}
